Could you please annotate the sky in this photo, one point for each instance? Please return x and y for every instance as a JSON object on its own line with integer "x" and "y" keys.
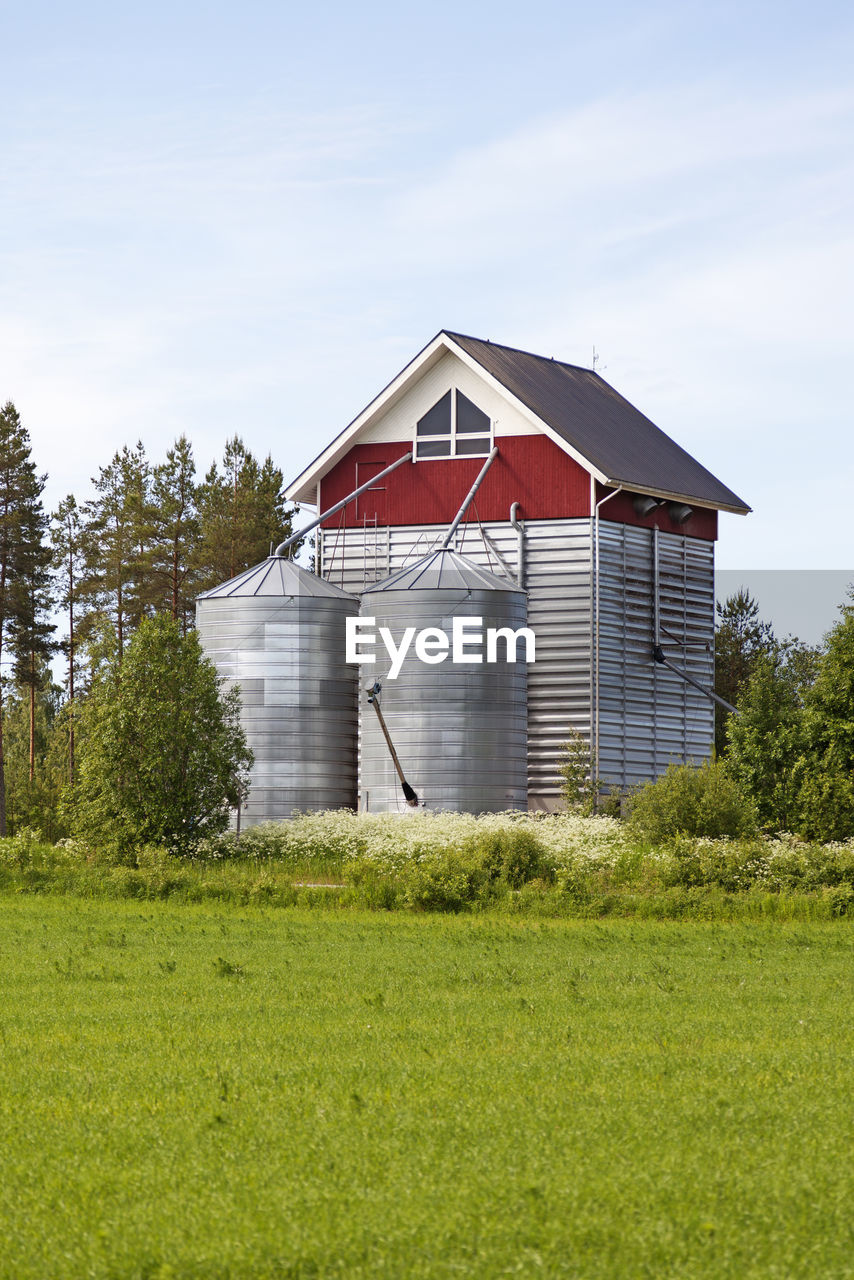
{"x": 220, "y": 218}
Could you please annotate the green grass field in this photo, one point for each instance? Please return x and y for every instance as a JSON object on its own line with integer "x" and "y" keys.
{"x": 204, "y": 1091}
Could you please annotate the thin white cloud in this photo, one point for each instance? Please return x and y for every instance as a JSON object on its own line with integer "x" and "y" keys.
{"x": 164, "y": 274}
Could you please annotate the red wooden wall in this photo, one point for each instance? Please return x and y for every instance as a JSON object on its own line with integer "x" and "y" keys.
{"x": 530, "y": 470}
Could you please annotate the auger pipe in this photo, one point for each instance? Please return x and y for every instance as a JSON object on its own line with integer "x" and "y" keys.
{"x": 472, "y": 491}
{"x": 409, "y": 795}
{"x": 369, "y": 484}
{"x": 659, "y": 656}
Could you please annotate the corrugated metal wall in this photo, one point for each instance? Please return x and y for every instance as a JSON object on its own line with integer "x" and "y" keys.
{"x": 647, "y": 715}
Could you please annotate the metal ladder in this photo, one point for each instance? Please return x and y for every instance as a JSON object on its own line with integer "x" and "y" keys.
{"x": 376, "y": 551}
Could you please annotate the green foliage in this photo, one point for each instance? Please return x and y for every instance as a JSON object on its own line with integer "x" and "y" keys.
{"x": 554, "y": 865}
{"x": 574, "y": 767}
{"x": 827, "y": 790}
{"x": 242, "y": 511}
{"x": 825, "y": 801}
{"x": 24, "y": 578}
{"x": 116, "y": 542}
{"x": 692, "y": 801}
{"x": 163, "y": 755}
{"x": 741, "y": 638}
{"x": 767, "y": 740}
{"x": 176, "y": 530}
{"x": 68, "y": 543}
{"x": 792, "y": 746}
{"x": 36, "y": 721}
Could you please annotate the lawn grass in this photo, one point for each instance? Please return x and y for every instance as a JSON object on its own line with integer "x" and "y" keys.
{"x": 210, "y": 1092}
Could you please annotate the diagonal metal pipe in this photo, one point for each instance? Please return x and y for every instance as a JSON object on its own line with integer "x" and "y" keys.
{"x": 472, "y": 491}
{"x": 369, "y": 484}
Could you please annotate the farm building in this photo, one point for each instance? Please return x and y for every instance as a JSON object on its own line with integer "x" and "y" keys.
{"x": 605, "y": 523}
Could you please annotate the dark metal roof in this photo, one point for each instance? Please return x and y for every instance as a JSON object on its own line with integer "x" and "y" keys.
{"x": 595, "y": 420}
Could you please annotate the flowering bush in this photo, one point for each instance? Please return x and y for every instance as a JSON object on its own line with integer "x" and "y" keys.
{"x": 556, "y": 863}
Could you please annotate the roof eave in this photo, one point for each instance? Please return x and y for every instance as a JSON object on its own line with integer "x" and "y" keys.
{"x": 670, "y": 495}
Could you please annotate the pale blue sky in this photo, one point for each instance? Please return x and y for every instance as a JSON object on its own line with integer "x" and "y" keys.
{"x": 219, "y": 218}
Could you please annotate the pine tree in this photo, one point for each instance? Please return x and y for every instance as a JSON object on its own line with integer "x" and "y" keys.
{"x": 32, "y": 729}
{"x": 117, "y": 538}
{"x": 20, "y": 501}
{"x": 243, "y": 513}
{"x": 176, "y": 530}
{"x": 68, "y": 550}
{"x": 32, "y": 595}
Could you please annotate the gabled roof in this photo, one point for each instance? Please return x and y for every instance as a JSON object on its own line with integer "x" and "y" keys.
{"x": 575, "y": 407}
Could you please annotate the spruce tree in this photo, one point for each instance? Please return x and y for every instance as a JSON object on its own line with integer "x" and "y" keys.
{"x": 740, "y": 638}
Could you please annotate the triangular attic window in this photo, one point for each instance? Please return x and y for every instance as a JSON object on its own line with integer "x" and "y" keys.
{"x": 454, "y": 427}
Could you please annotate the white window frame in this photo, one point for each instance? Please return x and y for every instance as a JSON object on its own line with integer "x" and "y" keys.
{"x": 452, "y": 437}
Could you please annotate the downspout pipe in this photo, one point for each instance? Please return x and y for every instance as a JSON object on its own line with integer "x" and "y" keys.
{"x": 520, "y": 545}
{"x": 369, "y": 484}
{"x": 472, "y": 491}
{"x": 594, "y": 753}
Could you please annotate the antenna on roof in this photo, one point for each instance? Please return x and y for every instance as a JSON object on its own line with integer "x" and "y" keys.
{"x": 596, "y": 358}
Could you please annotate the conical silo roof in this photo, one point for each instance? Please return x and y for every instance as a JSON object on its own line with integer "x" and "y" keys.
{"x": 443, "y": 570}
{"x": 275, "y": 576}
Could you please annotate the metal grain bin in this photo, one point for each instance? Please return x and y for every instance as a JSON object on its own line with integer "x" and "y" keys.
{"x": 278, "y": 632}
{"x": 460, "y": 730}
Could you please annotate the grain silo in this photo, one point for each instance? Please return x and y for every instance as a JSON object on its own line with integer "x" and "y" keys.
{"x": 277, "y": 631}
{"x": 459, "y": 727}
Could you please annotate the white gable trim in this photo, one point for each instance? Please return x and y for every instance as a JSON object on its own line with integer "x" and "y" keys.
{"x": 523, "y": 409}
{"x": 304, "y": 488}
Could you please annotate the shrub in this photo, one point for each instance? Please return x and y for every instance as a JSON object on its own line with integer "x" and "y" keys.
{"x": 692, "y": 801}
{"x": 826, "y": 801}
{"x": 575, "y": 768}
{"x": 163, "y": 756}
{"x": 513, "y": 856}
{"x": 447, "y": 882}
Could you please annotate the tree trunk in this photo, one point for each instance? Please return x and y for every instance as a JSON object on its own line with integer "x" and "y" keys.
{"x": 2, "y": 774}
{"x": 32, "y": 716}
{"x": 71, "y": 691}
{"x": 119, "y": 622}
{"x": 175, "y": 559}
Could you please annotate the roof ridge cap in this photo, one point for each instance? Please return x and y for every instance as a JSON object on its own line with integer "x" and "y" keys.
{"x": 522, "y": 351}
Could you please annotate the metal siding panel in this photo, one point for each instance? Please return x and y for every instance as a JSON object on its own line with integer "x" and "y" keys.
{"x": 649, "y": 717}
